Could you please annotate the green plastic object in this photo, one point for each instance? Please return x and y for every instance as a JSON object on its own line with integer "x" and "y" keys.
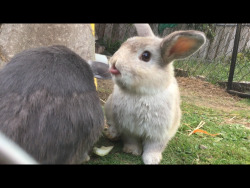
{"x": 162, "y": 27}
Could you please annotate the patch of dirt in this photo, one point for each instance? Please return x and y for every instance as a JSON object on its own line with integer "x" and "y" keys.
{"x": 203, "y": 93}
{"x": 104, "y": 88}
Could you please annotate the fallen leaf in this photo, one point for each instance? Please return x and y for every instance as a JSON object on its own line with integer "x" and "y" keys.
{"x": 205, "y": 132}
{"x": 198, "y": 127}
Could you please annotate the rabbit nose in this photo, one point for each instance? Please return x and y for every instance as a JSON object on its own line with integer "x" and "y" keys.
{"x": 113, "y": 70}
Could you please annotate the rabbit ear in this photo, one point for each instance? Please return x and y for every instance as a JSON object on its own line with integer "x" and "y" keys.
{"x": 181, "y": 44}
{"x": 144, "y": 30}
{"x": 100, "y": 69}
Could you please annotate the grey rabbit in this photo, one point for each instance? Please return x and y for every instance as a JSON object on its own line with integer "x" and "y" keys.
{"x": 49, "y": 105}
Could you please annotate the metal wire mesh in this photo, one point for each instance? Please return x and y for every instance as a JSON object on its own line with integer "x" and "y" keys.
{"x": 211, "y": 63}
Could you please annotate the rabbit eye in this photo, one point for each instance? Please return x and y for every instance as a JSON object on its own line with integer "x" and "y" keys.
{"x": 145, "y": 56}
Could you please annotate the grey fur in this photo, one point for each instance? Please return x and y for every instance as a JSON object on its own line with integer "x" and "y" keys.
{"x": 49, "y": 105}
{"x": 100, "y": 69}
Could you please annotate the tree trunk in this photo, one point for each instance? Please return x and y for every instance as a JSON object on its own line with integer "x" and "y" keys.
{"x": 101, "y": 31}
{"x": 115, "y": 33}
{"x": 15, "y": 38}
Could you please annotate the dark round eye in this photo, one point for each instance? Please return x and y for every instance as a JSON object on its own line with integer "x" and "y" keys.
{"x": 145, "y": 56}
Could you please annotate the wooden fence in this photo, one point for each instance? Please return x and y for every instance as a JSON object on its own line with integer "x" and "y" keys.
{"x": 220, "y": 46}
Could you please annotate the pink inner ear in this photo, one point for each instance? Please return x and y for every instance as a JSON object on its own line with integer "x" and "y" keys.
{"x": 182, "y": 46}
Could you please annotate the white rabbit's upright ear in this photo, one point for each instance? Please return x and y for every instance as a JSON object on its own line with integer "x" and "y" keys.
{"x": 144, "y": 30}
{"x": 181, "y": 44}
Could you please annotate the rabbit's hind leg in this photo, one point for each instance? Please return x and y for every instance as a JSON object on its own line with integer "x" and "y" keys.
{"x": 132, "y": 144}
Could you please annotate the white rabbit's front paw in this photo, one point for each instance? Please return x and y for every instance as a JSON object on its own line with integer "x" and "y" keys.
{"x": 152, "y": 158}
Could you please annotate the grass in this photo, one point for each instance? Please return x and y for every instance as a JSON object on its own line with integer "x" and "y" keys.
{"x": 232, "y": 146}
{"x": 245, "y": 101}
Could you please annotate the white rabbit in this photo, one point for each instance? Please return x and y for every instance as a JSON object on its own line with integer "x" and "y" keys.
{"x": 144, "y": 108}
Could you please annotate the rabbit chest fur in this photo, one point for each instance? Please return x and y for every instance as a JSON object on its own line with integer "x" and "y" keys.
{"x": 147, "y": 116}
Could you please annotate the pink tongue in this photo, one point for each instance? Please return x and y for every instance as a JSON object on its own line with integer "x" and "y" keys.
{"x": 114, "y": 71}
